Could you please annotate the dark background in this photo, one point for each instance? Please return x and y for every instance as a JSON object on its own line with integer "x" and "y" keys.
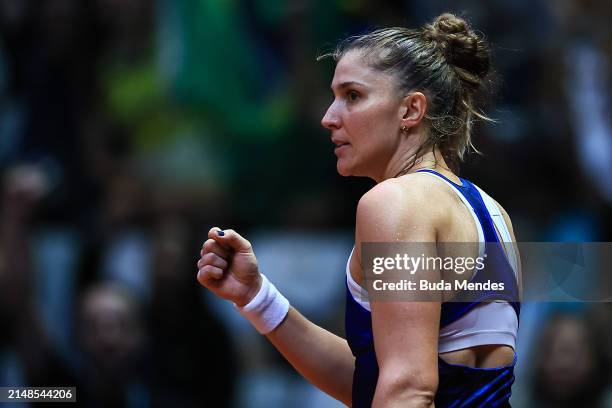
{"x": 129, "y": 128}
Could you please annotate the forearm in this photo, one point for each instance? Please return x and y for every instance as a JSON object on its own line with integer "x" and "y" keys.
{"x": 228, "y": 268}
{"x": 318, "y": 355}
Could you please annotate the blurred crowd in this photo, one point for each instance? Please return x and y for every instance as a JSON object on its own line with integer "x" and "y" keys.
{"x": 129, "y": 128}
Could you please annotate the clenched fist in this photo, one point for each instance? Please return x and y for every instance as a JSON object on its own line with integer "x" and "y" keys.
{"x": 228, "y": 267}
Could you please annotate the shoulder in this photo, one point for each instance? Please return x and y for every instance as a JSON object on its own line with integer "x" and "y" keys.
{"x": 416, "y": 192}
{"x": 394, "y": 207}
{"x": 397, "y": 188}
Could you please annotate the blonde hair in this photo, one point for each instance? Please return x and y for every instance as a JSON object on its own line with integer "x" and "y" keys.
{"x": 446, "y": 60}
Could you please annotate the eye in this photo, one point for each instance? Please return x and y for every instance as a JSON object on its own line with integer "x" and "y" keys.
{"x": 352, "y": 96}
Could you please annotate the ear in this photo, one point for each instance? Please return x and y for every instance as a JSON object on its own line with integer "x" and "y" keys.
{"x": 414, "y": 106}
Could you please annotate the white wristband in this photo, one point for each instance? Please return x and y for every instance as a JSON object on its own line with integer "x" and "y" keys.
{"x": 267, "y": 309}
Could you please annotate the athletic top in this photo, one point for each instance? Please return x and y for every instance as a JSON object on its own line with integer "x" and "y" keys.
{"x": 490, "y": 318}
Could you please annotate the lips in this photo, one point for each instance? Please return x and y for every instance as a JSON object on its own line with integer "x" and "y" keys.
{"x": 341, "y": 147}
{"x": 339, "y": 142}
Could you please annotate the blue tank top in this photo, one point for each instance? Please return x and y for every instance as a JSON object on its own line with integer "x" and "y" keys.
{"x": 458, "y": 386}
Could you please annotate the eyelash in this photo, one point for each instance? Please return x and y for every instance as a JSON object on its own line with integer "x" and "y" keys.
{"x": 352, "y": 96}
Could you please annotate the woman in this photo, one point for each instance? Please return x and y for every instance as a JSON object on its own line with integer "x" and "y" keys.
{"x": 402, "y": 115}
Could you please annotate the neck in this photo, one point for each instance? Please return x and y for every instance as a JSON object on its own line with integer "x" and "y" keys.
{"x": 398, "y": 166}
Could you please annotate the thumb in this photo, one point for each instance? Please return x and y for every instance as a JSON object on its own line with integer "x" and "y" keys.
{"x": 230, "y": 239}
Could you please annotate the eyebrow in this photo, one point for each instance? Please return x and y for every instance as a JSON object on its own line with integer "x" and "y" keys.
{"x": 347, "y": 84}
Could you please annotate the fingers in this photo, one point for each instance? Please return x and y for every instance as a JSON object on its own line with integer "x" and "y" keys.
{"x": 212, "y": 263}
{"x": 212, "y": 259}
{"x": 230, "y": 239}
{"x": 209, "y": 274}
{"x": 215, "y": 253}
{"x": 213, "y": 246}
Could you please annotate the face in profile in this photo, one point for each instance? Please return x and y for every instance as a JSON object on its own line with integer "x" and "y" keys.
{"x": 364, "y": 117}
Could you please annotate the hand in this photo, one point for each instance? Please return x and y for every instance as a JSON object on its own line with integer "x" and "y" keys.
{"x": 228, "y": 267}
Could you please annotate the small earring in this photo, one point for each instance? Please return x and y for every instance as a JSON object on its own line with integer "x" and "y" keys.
{"x": 404, "y": 128}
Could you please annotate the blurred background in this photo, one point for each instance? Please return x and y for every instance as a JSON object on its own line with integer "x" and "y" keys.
{"x": 129, "y": 127}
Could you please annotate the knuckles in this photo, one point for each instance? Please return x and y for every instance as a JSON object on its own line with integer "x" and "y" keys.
{"x": 209, "y": 245}
{"x": 211, "y": 259}
{"x": 208, "y": 257}
{"x": 209, "y": 270}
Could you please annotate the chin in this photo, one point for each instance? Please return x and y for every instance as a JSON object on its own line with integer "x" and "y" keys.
{"x": 343, "y": 173}
{"x": 343, "y": 170}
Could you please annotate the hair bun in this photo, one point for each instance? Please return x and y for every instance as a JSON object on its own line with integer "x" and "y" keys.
{"x": 464, "y": 49}
{"x": 449, "y": 24}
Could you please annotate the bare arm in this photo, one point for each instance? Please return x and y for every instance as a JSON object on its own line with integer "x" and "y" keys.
{"x": 321, "y": 357}
{"x": 405, "y": 332}
{"x": 228, "y": 268}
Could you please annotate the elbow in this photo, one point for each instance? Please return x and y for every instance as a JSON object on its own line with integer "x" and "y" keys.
{"x": 405, "y": 390}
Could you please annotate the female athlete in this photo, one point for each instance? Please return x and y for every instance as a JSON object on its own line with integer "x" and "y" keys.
{"x": 402, "y": 114}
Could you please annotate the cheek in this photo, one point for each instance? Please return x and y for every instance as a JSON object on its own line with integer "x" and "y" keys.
{"x": 374, "y": 128}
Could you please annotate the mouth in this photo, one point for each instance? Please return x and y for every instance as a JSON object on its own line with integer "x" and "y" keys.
{"x": 339, "y": 143}
{"x": 340, "y": 146}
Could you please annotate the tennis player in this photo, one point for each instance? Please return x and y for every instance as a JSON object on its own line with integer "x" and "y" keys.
{"x": 404, "y": 104}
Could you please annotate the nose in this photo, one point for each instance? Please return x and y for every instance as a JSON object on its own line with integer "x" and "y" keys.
{"x": 330, "y": 119}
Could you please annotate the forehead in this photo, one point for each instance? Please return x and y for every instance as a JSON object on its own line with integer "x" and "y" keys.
{"x": 352, "y": 68}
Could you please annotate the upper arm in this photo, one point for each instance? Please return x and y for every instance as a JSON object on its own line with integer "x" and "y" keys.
{"x": 405, "y": 332}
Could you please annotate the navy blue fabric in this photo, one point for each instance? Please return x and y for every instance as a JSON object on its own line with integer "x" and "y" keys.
{"x": 497, "y": 267}
{"x": 459, "y": 386}
{"x": 358, "y": 329}
{"x": 467, "y": 387}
